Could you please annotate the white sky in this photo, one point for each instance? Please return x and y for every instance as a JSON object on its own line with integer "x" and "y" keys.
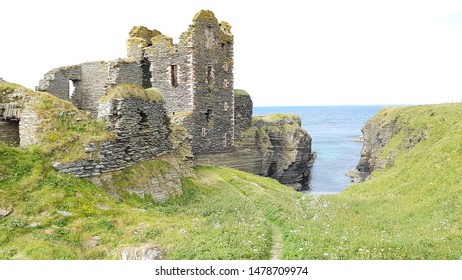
{"x": 292, "y": 52}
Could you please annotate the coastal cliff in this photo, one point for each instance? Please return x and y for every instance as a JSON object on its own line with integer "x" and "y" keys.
{"x": 273, "y": 146}
{"x": 385, "y": 128}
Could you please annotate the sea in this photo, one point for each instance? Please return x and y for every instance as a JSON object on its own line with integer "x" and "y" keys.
{"x": 333, "y": 130}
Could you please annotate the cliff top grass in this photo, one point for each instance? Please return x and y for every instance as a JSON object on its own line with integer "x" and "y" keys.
{"x": 277, "y": 119}
{"x": 240, "y": 92}
{"x": 6, "y": 89}
{"x": 130, "y": 90}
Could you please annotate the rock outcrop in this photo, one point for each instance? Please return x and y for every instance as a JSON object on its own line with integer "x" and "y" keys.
{"x": 376, "y": 135}
{"x": 274, "y": 146}
{"x": 379, "y": 132}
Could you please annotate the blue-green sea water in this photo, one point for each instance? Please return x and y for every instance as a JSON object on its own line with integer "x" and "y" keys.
{"x": 332, "y": 129}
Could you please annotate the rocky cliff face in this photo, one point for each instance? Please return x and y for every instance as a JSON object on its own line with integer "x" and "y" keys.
{"x": 274, "y": 146}
{"x": 378, "y": 134}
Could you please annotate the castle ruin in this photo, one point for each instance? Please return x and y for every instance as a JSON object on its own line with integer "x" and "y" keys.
{"x": 164, "y": 101}
{"x": 195, "y": 78}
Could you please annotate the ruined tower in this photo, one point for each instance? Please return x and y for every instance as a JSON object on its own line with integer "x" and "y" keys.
{"x": 194, "y": 76}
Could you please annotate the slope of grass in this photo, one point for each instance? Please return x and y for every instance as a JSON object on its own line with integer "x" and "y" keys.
{"x": 409, "y": 210}
{"x": 62, "y": 128}
{"x": 57, "y": 216}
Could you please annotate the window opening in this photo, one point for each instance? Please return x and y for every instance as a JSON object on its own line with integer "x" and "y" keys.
{"x": 208, "y": 115}
{"x": 174, "y": 75}
{"x": 209, "y": 74}
{"x": 146, "y": 72}
{"x": 71, "y": 89}
{"x": 144, "y": 120}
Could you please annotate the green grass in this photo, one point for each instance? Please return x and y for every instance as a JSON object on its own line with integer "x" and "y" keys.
{"x": 211, "y": 220}
{"x": 409, "y": 210}
{"x": 240, "y": 92}
{"x": 132, "y": 90}
{"x": 64, "y": 130}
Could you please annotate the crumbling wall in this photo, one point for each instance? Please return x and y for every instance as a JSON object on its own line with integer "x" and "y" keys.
{"x": 142, "y": 133}
{"x": 214, "y": 97}
{"x": 86, "y": 83}
{"x": 56, "y": 81}
{"x": 171, "y": 73}
{"x": 243, "y": 110}
{"x": 194, "y": 76}
{"x": 28, "y": 126}
{"x": 18, "y": 121}
{"x": 9, "y": 132}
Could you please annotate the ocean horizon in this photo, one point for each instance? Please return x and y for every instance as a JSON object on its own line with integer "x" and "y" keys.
{"x": 333, "y": 130}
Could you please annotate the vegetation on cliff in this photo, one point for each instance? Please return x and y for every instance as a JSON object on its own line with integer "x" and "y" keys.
{"x": 57, "y": 216}
{"x": 412, "y": 208}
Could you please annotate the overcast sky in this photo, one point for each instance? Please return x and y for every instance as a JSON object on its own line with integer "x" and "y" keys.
{"x": 287, "y": 52}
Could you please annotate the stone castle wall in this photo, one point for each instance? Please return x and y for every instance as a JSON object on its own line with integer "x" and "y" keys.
{"x": 18, "y": 121}
{"x": 142, "y": 134}
{"x": 213, "y": 115}
{"x": 170, "y": 67}
{"x": 243, "y": 110}
{"x": 194, "y": 76}
{"x": 85, "y": 84}
{"x": 28, "y": 126}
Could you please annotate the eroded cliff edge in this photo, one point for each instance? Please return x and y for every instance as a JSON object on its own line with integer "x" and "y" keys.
{"x": 385, "y": 134}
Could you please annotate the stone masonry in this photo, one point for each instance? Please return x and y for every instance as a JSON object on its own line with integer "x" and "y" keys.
{"x": 142, "y": 134}
{"x": 85, "y": 84}
{"x": 194, "y": 76}
{"x": 18, "y": 122}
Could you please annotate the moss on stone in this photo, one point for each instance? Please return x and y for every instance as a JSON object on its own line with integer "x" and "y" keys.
{"x": 6, "y": 87}
{"x": 135, "y": 42}
{"x": 143, "y": 32}
{"x": 7, "y": 92}
{"x": 240, "y": 92}
{"x": 276, "y": 118}
{"x": 64, "y": 130}
{"x": 162, "y": 40}
{"x": 130, "y": 90}
{"x": 225, "y": 26}
{"x": 204, "y": 15}
{"x": 225, "y": 32}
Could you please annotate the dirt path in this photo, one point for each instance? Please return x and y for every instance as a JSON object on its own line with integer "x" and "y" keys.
{"x": 276, "y": 250}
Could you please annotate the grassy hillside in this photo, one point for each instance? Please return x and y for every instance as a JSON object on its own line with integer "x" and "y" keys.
{"x": 409, "y": 210}
{"x": 57, "y": 216}
{"x": 412, "y": 209}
